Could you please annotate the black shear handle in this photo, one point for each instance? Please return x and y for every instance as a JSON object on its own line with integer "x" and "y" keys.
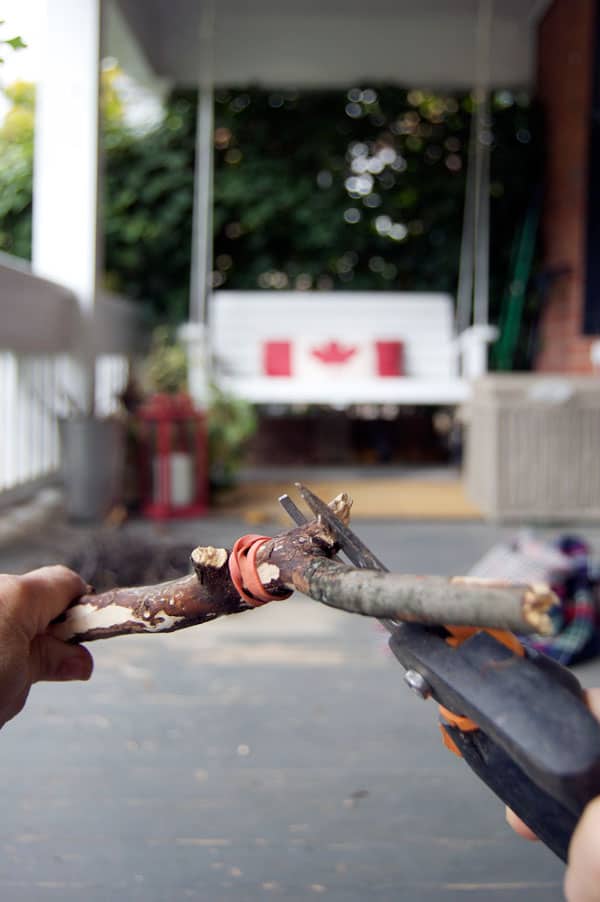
{"x": 537, "y": 746}
{"x": 549, "y": 819}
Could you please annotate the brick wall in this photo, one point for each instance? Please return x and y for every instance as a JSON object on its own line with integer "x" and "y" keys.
{"x": 565, "y": 57}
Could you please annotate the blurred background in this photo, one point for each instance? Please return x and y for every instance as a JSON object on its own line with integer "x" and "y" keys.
{"x": 331, "y": 229}
{"x": 242, "y": 245}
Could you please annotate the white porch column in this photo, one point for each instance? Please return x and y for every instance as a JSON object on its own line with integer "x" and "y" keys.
{"x": 195, "y": 333}
{"x": 65, "y": 188}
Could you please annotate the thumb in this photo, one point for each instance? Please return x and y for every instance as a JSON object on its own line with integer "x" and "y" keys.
{"x": 52, "y": 659}
{"x": 582, "y": 879}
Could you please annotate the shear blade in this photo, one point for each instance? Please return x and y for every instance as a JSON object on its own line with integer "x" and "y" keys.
{"x": 350, "y": 544}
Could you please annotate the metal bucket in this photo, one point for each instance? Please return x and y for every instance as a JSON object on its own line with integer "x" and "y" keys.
{"x": 93, "y": 454}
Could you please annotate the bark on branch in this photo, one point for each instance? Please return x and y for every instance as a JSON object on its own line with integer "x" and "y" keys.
{"x": 301, "y": 559}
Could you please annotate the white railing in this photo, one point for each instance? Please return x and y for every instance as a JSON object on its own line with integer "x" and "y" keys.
{"x": 34, "y": 395}
{"x": 38, "y": 329}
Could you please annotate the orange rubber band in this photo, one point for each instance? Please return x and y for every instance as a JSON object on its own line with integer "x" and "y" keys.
{"x": 458, "y": 634}
{"x": 244, "y": 574}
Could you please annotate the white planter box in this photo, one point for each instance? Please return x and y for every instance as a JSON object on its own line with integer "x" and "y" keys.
{"x": 533, "y": 447}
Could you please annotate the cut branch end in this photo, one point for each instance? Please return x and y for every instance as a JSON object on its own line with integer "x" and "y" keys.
{"x": 207, "y": 556}
{"x": 538, "y": 601}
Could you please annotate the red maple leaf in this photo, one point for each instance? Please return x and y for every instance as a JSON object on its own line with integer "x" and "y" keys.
{"x": 333, "y": 353}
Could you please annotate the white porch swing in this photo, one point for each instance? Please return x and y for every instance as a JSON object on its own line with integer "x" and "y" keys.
{"x": 328, "y": 344}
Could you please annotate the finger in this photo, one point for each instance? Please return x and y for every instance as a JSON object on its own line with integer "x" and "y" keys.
{"x": 37, "y": 597}
{"x": 54, "y": 660}
{"x": 582, "y": 880}
{"x": 519, "y": 827}
{"x": 592, "y": 697}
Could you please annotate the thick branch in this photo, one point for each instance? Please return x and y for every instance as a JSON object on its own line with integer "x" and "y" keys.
{"x": 162, "y": 608}
{"x": 300, "y": 559}
{"x": 204, "y": 595}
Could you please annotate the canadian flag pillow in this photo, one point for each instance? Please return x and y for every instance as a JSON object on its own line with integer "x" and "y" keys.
{"x": 333, "y": 359}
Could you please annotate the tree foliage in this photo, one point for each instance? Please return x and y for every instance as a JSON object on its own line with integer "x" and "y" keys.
{"x": 16, "y": 170}
{"x": 15, "y": 43}
{"x": 357, "y": 189}
{"x": 149, "y": 186}
{"x": 360, "y": 189}
{"x": 16, "y": 156}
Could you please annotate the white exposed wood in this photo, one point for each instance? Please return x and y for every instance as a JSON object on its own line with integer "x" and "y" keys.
{"x": 209, "y": 556}
{"x": 267, "y": 572}
{"x": 83, "y": 617}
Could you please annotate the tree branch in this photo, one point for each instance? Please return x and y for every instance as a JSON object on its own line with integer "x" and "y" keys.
{"x": 301, "y": 559}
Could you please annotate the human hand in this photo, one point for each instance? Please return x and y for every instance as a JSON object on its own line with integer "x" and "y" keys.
{"x": 582, "y": 878}
{"x": 28, "y": 604}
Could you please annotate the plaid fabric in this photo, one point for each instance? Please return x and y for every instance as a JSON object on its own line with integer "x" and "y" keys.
{"x": 576, "y": 620}
{"x": 567, "y": 566}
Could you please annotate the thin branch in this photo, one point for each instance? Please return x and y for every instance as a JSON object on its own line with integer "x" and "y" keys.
{"x": 429, "y": 599}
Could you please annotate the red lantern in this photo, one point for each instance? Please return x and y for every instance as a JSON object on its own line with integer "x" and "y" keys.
{"x": 174, "y": 464}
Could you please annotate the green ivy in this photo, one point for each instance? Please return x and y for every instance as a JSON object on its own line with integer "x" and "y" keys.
{"x": 231, "y": 423}
{"x": 284, "y": 215}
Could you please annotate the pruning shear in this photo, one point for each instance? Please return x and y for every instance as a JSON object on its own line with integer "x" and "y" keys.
{"x": 515, "y": 716}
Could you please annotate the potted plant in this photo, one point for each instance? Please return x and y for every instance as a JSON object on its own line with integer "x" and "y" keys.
{"x": 230, "y": 422}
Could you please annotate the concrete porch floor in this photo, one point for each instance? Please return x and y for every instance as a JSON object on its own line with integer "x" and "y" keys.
{"x": 386, "y": 492}
{"x": 272, "y": 755}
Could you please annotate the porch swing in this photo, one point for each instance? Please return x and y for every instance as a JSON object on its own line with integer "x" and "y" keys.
{"x": 345, "y": 348}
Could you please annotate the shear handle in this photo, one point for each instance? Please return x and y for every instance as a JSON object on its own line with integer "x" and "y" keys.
{"x": 522, "y": 707}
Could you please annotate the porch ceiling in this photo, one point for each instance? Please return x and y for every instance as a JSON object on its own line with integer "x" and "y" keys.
{"x": 336, "y": 42}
